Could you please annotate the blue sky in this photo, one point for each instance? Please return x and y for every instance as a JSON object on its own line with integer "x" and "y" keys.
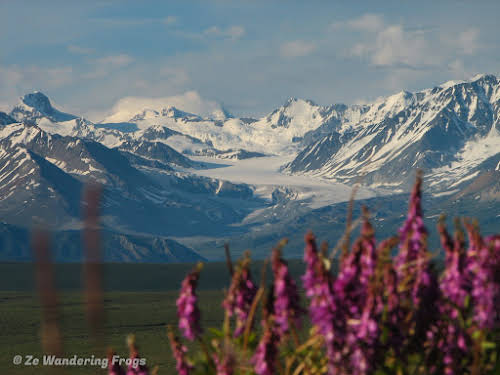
{"x": 248, "y": 55}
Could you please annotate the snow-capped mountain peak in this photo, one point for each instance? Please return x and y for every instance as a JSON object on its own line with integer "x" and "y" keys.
{"x": 295, "y": 112}
{"x": 5, "y": 119}
{"x": 35, "y": 106}
{"x": 478, "y": 77}
{"x": 448, "y": 131}
{"x": 175, "y": 113}
{"x": 221, "y": 114}
{"x": 38, "y": 101}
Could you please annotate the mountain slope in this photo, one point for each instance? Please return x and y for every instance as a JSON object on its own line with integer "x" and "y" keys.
{"x": 36, "y": 105}
{"x": 5, "y": 119}
{"x": 447, "y": 130}
{"x": 117, "y": 247}
{"x": 161, "y": 182}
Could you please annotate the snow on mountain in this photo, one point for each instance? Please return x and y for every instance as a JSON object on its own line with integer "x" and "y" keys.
{"x": 155, "y": 200}
{"x": 280, "y": 132}
{"x": 36, "y": 105}
{"x": 189, "y": 102}
{"x": 167, "y": 112}
{"x": 218, "y": 135}
{"x": 446, "y": 130}
{"x": 171, "y": 170}
{"x": 5, "y": 119}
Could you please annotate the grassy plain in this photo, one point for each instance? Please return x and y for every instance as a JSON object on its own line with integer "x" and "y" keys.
{"x": 138, "y": 298}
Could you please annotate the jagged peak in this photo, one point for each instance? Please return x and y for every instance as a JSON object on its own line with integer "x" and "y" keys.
{"x": 174, "y": 112}
{"x": 38, "y": 101}
{"x": 221, "y": 114}
{"x": 293, "y": 100}
{"x": 5, "y": 119}
{"x": 36, "y": 105}
{"x": 473, "y": 79}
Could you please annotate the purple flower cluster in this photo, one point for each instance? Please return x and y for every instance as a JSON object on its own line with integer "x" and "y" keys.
{"x": 344, "y": 309}
{"x": 493, "y": 243}
{"x": 412, "y": 263}
{"x": 187, "y": 307}
{"x": 286, "y": 306}
{"x": 135, "y": 368}
{"x": 240, "y": 296}
{"x": 266, "y": 354}
{"x": 179, "y": 353}
{"x": 224, "y": 366}
{"x": 379, "y": 313}
{"x": 355, "y": 313}
{"x": 483, "y": 264}
{"x": 317, "y": 283}
{"x": 454, "y": 284}
{"x": 387, "y": 296}
{"x": 448, "y": 337}
{"x": 114, "y": 367}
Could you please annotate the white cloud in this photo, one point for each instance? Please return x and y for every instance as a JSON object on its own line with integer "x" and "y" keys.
{"x": 105, "y": 65}
{"x": 190, "y": 101}
{"x": 26, "y": 78}
{"x": 10, "y": 76}
{"x": 79, "y": 50}
{"x": 175, "y": 76}
{"x": 16, "y": 81}
{"x": 457, "y": 69}
{"x": 393, "y": 45}
{"x": 170, "y": 20}
{"x": 115, "y": 60}
{"x": 468, "y": 41}
{"x": 367, "y": 22}
{"x": 297, "y": 48}
{"x": 57, "y": 77}
{"x": 232, "y": 32}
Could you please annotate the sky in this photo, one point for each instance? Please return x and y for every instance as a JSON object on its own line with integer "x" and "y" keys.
{"x": 94, "y": 57}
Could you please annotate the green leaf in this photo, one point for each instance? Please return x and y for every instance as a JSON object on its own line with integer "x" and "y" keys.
{"x": 216, "y": 332}
{"x": 467, "y": 301}
{"x": 487, "y": 345}
{"x": 476, "y": 334}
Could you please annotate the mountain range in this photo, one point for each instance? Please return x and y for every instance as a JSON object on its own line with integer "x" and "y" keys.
{"x": 177, "y": 185}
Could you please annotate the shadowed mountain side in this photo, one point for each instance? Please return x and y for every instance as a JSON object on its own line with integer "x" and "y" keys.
{"x": 116, "y": 247}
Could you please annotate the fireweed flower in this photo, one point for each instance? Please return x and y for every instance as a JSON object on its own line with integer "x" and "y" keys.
{"x": 224, "y": 366}
{"x": 286, "y": 305}
{"x": 412, "y": 260}
{"x": 135, "y": 368}
{"x": 240, "y": 295}
{"x": 455, "y": 281}
{"x": 493, "y": 243}
{"x": 317, "y": 283}
{"x": 417, "y": 285}
{"x": 187, "y": 307}
{"x": 113, "y": 367}
{"x": 179, "y": 352}
{"x": 386, "y": 296}
{"x": 485, "y": 287}
{"x": 356, "y": 331}
{"x": 264, "y": 359}
{"x": 448, "y": 338}
{"x": 345, "y": 309}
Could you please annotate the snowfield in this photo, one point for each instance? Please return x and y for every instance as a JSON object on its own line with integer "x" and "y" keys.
{"x": 264, "y": 175}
